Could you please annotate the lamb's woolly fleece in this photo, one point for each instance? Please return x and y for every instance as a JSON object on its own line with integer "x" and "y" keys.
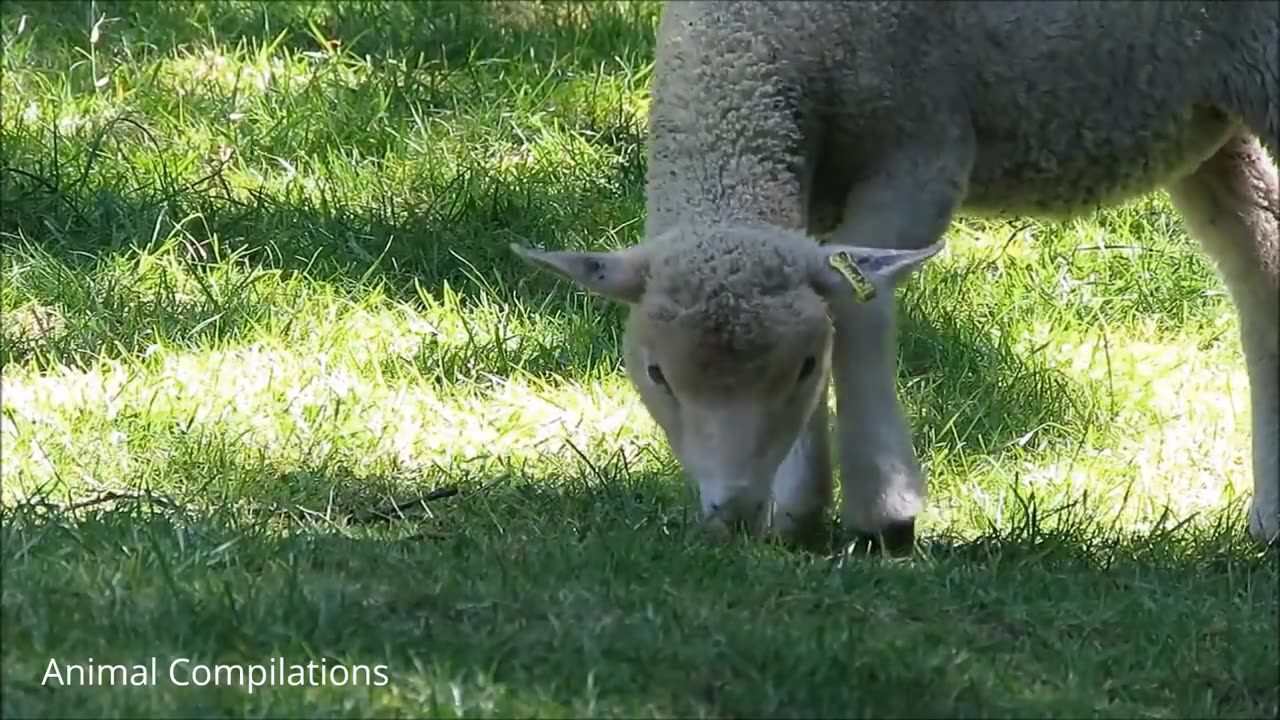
{"x": 772, "y": 112}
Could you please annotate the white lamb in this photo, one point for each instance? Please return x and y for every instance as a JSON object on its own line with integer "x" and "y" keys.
{"x": 871, "y": 124}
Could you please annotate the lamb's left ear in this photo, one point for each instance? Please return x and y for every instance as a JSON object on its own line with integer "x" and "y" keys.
{"x": 863, "y": 272}
{"x": 619, "y": 275}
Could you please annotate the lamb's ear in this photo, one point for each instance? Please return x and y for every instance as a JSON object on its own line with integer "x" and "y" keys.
{"x": 618, "y": 275}
{"x": 863, "y": 272}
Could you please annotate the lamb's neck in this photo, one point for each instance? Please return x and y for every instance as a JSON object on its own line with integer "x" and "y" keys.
{"x": 725, "y": 138}
{"x": 723, "y": 181}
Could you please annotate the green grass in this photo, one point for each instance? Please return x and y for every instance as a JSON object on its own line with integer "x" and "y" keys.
{"x": 256, "y": 287}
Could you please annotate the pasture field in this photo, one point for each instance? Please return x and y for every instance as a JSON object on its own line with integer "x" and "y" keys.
{"x": 274, "y": 387}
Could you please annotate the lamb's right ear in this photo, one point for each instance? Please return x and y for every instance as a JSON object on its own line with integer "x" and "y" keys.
{"x": 619, "y": 275}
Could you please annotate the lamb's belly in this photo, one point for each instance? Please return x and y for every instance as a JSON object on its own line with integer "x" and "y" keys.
{"x": 1066, "y": 169}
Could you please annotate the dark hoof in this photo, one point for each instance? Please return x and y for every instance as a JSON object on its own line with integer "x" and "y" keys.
{"x": 808, "y": 534}
{"x": 896, "y": 539}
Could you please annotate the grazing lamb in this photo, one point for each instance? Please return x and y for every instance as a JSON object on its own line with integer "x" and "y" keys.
{"x": 870, "y": 124}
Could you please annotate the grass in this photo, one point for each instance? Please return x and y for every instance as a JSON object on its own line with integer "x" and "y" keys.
{"x": 256, "y": 286}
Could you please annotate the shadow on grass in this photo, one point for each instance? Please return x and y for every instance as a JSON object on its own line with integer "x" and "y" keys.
{"x": 221, "y": 279}
{"x": 526, "y": 595}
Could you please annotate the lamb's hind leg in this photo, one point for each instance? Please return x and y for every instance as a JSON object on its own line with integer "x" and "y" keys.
{"x": 1231, "y": 204}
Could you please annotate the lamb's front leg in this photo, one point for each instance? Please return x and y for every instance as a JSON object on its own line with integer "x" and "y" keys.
{"x": 802, "y": 485}
{"x": 908, "y": 204}
{"x": 882, "y": 484}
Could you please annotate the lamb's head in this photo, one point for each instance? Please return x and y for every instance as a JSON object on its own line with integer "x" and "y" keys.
{"x": 729, "y": 343}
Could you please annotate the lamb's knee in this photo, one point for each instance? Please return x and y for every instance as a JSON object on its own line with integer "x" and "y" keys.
{"x": 882, "y": 491}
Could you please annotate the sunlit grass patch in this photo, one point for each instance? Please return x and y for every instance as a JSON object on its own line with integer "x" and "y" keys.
{"x": 1133, "y": 263}
{"x": 322, "y": 388}
{"x": 1176, "y": 446}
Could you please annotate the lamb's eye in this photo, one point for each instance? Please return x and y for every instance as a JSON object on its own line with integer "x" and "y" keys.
{"x": 655, "y": 374}
{"x": 807, "y": 367}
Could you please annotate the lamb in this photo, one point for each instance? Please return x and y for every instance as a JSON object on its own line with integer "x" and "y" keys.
{"x": 805, "y": 157}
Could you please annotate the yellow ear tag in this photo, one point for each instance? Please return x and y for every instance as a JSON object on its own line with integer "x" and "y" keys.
{"x": 863, "y": 289}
